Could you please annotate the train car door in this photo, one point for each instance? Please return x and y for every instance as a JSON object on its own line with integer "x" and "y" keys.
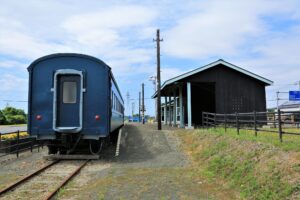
{"x": 68, "y": 101}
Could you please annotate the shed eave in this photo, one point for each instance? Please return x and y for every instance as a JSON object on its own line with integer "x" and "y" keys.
{"x": 213, "y": 64}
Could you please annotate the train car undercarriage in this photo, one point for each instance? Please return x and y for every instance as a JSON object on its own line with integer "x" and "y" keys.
{"x": 66, "y": 144}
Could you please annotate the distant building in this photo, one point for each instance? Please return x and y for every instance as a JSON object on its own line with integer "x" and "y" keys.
{"x": 219, "y": 87}
{"x": 291, "y": 111}
{"x": 290, "y": 106}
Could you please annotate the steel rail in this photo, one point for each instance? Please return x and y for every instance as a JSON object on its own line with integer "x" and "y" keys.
{"x": 16, "y": 184}
{"x": 66, "y": 180}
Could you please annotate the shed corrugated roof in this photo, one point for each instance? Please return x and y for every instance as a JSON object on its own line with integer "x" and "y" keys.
{"x": 213, "y": 64}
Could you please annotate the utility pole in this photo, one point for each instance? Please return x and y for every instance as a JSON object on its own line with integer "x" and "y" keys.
{"x": 128, "y": 101}
{"x": 158, "y": 102}
{"x": 143, "y": 105}
{"x": 139, "y": 106}
{"x": 132, "y": 109}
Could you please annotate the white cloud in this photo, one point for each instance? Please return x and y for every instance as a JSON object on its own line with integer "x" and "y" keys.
{"x": 12, "y": 83}
{"x": 115, "y": 17}
{"x": 170, "y": 72}
{"x": 16, "y": 41}
{"x": 111, "y": 33}
{"x": 105, "y": 27}
{"x": 259, "y": 35}
{"x": 220, "y": 28}
{"x": 12, "y": 64}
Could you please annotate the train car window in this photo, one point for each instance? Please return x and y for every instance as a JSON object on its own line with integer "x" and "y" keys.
{"x": 112, "y": 100}
{"x": 69, "y": 92}
{"x": 118, "y": 105}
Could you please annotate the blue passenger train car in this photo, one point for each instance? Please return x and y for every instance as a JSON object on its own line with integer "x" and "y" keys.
{"x": 74, "y": 101}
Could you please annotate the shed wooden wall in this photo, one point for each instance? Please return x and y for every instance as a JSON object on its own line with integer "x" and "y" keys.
{"x": 234, "y": 91}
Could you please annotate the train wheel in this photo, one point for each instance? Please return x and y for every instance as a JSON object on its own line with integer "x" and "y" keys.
{"x": 52, "y": 150}
{"x": 96, "y": 146}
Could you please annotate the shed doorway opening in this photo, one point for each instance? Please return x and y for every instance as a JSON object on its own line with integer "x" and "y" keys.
{"x": 203, "y": 100}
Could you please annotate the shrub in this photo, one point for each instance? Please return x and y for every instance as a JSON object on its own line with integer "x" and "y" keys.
{"x": 10, "y": 115}
{"x": 2, "y": 118}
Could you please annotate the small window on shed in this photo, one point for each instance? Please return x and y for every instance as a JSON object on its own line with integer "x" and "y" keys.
{"x": 69, "y": 92}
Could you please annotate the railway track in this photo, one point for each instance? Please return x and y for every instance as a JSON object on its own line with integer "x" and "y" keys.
{"x": 44, "y": 183}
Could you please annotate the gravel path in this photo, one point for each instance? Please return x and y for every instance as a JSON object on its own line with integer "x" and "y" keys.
{"x": 150, "y": 166}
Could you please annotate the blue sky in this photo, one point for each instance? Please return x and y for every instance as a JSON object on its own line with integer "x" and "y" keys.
{"x": 259, "y": 35}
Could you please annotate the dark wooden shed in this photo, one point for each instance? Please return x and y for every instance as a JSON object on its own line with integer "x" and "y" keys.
{"x": 218, "y": 87}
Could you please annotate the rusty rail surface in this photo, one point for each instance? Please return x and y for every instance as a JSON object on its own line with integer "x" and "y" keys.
{"x": 30, "y": 176}
{"x": 66, "y": 180}
{"x": 18, "y": 183}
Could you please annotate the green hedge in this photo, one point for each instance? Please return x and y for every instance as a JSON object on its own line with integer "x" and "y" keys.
{"x": 11, "y": 115}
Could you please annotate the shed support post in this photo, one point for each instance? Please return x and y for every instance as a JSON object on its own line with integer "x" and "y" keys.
{"x": 181, "y": 108}
{"x": 174, "y": 109}
{"x": 170, "y": 112}
{"x": 189, "y": 105}
{"x": 165, "y": 111}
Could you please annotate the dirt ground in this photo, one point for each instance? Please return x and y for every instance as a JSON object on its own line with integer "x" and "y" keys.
{"x": 151, "y": 165}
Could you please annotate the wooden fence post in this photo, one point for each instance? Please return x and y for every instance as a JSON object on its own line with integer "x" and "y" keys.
{"x": 215, "y": 120}
{"x": 18, "y": 138}
{"x": 202, "y": 119}
{"x": 205, "y": 120}
{"x": 274, "y": 121}
{"x": 255, "y": 125}
{"x": 237, "y": 123}
{"x": 279, "y": 125}
{"x": 225, "y": 123}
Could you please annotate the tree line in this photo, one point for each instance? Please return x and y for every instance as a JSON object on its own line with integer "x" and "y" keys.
{"x": 11, "y": 115}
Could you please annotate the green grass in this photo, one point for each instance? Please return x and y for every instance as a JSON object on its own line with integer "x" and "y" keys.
{"x": 242, "y": 175}
{"x": 251, "y": 165}
{"x": 290, "y": 142}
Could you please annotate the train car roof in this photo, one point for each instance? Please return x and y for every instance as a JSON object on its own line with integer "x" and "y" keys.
{"x": 31, "y": 66}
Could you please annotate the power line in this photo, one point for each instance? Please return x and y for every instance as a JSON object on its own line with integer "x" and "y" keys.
{"x": 7, "y": 100}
